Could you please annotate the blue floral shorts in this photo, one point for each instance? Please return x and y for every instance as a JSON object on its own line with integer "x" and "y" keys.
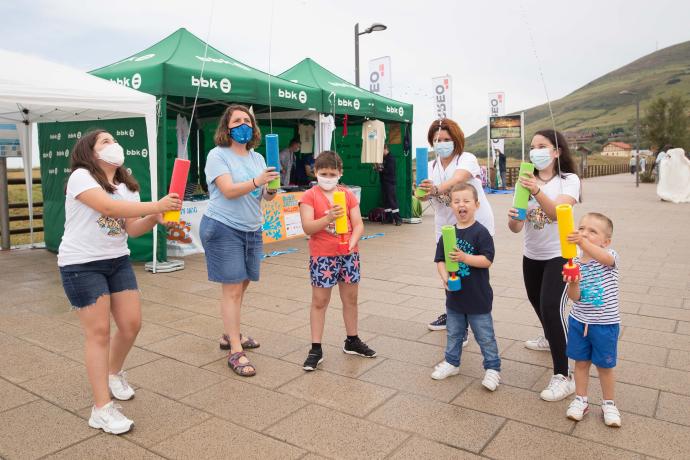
{"x": 327, "y": 271}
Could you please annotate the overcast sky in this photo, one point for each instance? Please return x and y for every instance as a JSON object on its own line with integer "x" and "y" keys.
{"x": 484, "y": 45}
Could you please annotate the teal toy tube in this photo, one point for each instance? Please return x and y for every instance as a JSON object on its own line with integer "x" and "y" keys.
{"x": 521, "y": 196}
{"x": 422, "y": 158}
{"x": 273, "y": 158}
{"x": 449, "y": 243}
{"x": 454, "y": 283}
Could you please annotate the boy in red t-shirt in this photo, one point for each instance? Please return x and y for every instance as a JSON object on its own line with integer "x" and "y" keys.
{"x": 328, "y": 263}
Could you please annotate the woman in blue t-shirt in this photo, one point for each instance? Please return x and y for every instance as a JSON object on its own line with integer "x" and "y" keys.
{"x": 230, "y": 229}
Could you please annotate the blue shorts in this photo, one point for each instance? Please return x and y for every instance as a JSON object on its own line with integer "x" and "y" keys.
{"x": 599, "y": 346}
{"x": 327, "y": 271}
{"x": 232, "y": 256}
{"x": 85, "y": 283}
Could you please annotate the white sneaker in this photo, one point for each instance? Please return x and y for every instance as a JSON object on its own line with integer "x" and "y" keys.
{"x": 444, "y": 369}
{"x": 559, "y": 387}
{"x": 538, "y": 344}
{"x": 491, "y": 379}
{"x": 119, "y": 387}
{"x": 577, "y": 409}
{"x": 109, "y": 419}
{"x": 611, "y": 415}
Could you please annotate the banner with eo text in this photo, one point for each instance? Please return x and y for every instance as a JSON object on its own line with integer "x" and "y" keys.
{"x": 380, "y": 81}
{"x": 497, "y": 107}
{"x": 443, "y": 97}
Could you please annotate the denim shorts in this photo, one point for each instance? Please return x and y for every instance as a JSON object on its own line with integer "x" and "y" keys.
{"x": 85, "y": 283}
{"x": 327, "y": 271}
{"x": 600, "y": 345}
{"x": 232, "y": 256}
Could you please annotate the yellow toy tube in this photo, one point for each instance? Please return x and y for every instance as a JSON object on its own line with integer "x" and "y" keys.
{"x": 340, "y": 222}
{"x": 566, "y": 225}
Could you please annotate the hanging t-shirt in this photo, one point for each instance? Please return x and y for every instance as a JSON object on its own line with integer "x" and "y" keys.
{"x": 598, "y": 302}
{"x": 182, "y": 128}
{"x": 475, "y": 296}
{"x": 443, "y": 213}
{"x": 89, "y": 235}
{"x": 241, "y": 213}
{"x": 541, "y": 233}
{"x": 373, "y": 139}
{"x": 326, "y": 128}
{"x": 306, "y": 138}
{"x": 326, "y": 241}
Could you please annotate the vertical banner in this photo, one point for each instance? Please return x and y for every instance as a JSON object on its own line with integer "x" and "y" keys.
{"x": 380, "y": 81}
{"x": 443, "y": 96}
{"x": 497, "y": 108}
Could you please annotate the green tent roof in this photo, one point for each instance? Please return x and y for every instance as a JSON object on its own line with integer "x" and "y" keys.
{"x": 342, "y": 97}
{"x": 173, "y": 67}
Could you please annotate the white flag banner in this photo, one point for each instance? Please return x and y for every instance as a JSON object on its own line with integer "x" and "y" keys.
{"x": 380, "y": 81}
{"x": 497, "y": 107}
{"x": 443, "y": 97}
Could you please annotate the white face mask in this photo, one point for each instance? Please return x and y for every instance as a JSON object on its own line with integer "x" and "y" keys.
{"x": 112, "y": 154}
{"x": 327, "y": 183}
{"x": 444, "y": 149}
{"x": 541, "y": 158}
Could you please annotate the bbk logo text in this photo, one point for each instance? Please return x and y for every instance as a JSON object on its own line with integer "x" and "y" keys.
{"x": 224, "y": 84}
{"x": 293, "y": 95}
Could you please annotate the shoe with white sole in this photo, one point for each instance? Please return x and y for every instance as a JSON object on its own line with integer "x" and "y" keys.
{"x": 560, "y": 387}
{"x": 444, "y": 369}
{"x": 538, "y": 344}
{"x": 491, "y": 379}
{"x": 119, "y": 387}
{"x": 439, "y": 324}
{"x": 109, "y": 419}
{"x": 577, "y": 409}
{"x": 612, "y": 417}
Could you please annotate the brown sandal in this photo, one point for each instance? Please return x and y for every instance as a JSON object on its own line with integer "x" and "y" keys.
{"x": 237, "y": 367}
{"x": 249, "y": 343}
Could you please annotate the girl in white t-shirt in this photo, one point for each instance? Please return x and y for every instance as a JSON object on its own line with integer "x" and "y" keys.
{"x": 542, "y": 263}
{"x": 452, "y": 166}
{"x": 102, "y": 209}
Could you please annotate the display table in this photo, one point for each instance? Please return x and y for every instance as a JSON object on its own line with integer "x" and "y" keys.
{"x": 281, "y": 222}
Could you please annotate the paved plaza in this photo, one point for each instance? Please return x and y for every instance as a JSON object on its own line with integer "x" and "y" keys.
{"x": 190, "y": 405}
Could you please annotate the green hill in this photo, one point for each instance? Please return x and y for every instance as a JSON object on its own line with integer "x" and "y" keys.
{"x": 598, "y": 107}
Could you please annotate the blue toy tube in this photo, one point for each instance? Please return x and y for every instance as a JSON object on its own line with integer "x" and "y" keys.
{"x": 454, "y": 283}
{"x": 422, "y": 159}
{"x": 273, "y": 158}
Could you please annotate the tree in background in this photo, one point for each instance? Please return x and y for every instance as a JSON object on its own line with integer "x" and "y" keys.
{"x": 666, "y": 122}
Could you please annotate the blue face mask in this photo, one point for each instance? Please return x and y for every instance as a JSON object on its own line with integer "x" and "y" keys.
{"x": 444, "y": 149}
{"x": 242, "y": 133}
{"x": 541, "y": 158}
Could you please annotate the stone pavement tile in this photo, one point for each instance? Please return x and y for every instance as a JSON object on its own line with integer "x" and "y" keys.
{"x": 644, "y": 435}
{"x": 336, "y": 435}
{"x": 407, "y": 351}
{"x": 156, "y": 417}
{"x": 39, "y": 428}
{"x": 161, "y": 314}
{"x": 382, "y": 297}
{"x": 60, "y": 337}
{"x": 516, "y": 404}
{"x": 640, "y": 353}
{"x": 678, "y": 360}
{"x": 184, "y": 300}
{"x": 244, "y": 403}
{"x": 151, "y": 333}
{"x": 513, "y": 315}
{"x": 416, "y": 448}
{"x": 520, "y": 441}
{"x": 200, "y": 325}
{"x": 661, "y": 300}
{"x": 375, "y": 307}
{"x": 49, "y": 307}
{"x": 427, "y": 304}
{"x": 189, "y": 349}
{"x": 136, "y": 357}
{"x": 435, "y": 292}
{"x": 22, "y": 361}
{"x": 333, "y": 334}
{"x": 515, "y": 292}
{"x": 6, "y": 339}
{"x": 22, "y": 321}
{"x": 637, "y": 288}
{"x": 439, "y": 338}
{"x": 106, "y": 447}
{"x": 683, "y": 328}
{"x": 172, "y": 378}
{"x": 345, "y": 394}
{"x": 335, "y": 361}
{"x": 276, "y": 322}
{"x": 277, "y": 345}
{"x": 219, "y": 439}
{"x": 393, "y": 327}
{"x": 670, "y": 291}
{"x": 381, "y": 285}
{"x": 665, "y": 312}
{"x": 416, "y": 379}
{"x": 428, "y": 281}
{"x": 648, "y": 322}
{"x": 513, "y": 373}
{"x": 68, "y": 389}
{"x": 656, "y": 338}
{"x": 514, "y": 331}
{"x": 271, "y": 303}
{"x": 166, "y": 281}
{"x": 457, "y": 426}
{"x": 13, "y": 396}
{"x": 674, "y": 408}
{"x": 271, "y": 372}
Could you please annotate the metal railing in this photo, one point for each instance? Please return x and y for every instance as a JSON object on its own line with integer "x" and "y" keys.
{"x": 589, "y": 171}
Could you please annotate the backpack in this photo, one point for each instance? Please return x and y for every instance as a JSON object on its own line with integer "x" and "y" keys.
{"x": 377, "y": 215}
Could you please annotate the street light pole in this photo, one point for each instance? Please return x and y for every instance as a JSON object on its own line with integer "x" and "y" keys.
{"x": 637, "y": 142}
{"x": 375, "y": 27}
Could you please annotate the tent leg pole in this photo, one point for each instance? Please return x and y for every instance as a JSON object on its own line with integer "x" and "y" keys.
{"x": 4, "y": 205}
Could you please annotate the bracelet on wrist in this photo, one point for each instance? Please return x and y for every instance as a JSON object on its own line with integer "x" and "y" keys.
{"x": 538, "y": 191}
{"x": 254, "y": 182}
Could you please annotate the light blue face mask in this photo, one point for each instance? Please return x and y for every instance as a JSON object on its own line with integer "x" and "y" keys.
{"x": 444, "y": 149}
{"x": 541, "y": 158}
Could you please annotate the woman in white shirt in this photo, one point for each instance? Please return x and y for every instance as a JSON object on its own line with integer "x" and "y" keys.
{"x": 102, "y": 209}
{"x": 452, "y": 166}
{"x": 554, "y": 182}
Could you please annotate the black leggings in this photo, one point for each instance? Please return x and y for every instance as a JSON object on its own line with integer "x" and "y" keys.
{"x": 390, "y": 200}
{"x": 547, "y": 293}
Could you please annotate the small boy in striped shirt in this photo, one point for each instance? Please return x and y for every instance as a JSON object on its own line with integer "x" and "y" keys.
{"x": 594, "y": 321}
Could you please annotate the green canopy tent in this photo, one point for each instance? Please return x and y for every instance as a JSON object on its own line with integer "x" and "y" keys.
{"x": 340, "y": 97}
{"x": 172, "y": 71}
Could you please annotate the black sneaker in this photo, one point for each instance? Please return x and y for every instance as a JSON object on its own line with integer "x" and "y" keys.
{"x": 314, "y": 358}
{"x": 357, "y": 347}
{"x": 439, "y": 324}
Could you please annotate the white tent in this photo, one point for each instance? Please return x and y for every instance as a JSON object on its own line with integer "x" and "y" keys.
{"x": 33, "y": 90}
